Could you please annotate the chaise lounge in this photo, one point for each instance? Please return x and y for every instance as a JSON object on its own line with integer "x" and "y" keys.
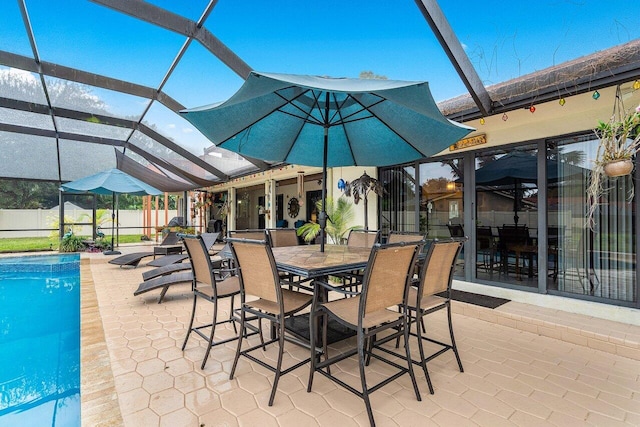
{"x": 170, "y": 245}
{"x": 174, "y": 274}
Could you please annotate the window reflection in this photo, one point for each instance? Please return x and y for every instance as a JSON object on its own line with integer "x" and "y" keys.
{"x": 599, "y": 262}
{"x": 507, "y": 216}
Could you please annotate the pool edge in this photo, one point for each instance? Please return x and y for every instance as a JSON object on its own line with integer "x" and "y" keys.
{"x": 99, "y": 400}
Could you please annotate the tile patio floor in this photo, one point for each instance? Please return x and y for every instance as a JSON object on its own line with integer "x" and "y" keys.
{"x": 524, "y": 366}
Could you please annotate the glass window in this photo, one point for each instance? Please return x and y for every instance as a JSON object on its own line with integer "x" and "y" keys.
{"x": 507, "y": 216}
{"x": 599, "y": 262}
{"x": 441, "y": 209}
{"x": 398, "y": 204}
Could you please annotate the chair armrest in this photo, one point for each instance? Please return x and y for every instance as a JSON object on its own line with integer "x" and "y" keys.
{"x": 339, "y": 289}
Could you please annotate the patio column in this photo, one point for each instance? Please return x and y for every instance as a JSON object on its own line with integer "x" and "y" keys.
{"x": 231, "y": 217}
{"x": 270, "y": 203}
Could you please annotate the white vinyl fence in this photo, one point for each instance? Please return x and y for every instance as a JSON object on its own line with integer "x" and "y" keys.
{"x": 36, "y": 222}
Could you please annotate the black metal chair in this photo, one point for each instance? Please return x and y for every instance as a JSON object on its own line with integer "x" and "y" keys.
{"x": 433, "y": 293}
{"x": 510, "y": 236}
{"x": 259, "y": 279}
{"x": 282, "y": 237}
{"x": 386, "y": 282}
{"x": 486, "y": 247}
{"x": 359, "y": 238}
{"x": 456, "y": 230}
{"x": 205, "y": 286}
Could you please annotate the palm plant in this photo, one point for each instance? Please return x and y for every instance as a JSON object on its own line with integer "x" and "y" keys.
{"x": 340, "y": 215}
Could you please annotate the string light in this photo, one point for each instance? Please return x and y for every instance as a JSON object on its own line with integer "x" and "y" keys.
{"x": 636, "y": 85}
{"x": 482, "y": 121}
{"x": 532, "y": 109}
{"x": 562, "y": 102}
{"x": 505, "y": 117}
{"x": 596, "y": 95}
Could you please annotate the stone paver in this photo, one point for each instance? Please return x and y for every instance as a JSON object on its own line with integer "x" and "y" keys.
{"x": 523, "y": 365}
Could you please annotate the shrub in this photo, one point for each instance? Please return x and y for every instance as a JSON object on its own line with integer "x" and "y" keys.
{"x": 71, "y": 243}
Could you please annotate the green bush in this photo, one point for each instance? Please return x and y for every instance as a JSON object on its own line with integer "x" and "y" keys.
{"x": 71, "y": 243}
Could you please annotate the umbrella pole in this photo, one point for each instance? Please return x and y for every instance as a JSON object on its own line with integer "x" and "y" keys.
{"x": 515, "y": 204}
{"x": 113, "y": 220}
{"x": 322, "y": 217}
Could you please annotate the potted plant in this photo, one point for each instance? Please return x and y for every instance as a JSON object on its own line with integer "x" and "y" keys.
{"x": 619, "y": 143}
{"x": 340, "y": 214}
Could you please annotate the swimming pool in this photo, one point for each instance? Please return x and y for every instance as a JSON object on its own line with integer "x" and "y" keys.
{"x": 40, "y": 341}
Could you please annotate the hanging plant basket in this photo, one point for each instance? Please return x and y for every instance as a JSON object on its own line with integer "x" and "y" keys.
{"x": 618, "y": 168}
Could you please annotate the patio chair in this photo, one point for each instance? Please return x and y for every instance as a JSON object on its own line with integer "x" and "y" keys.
{"x": 165, "y": 276}
{"x": 373, "y": 311}
{"x": 404, "y": 236}
{"x": 205, "y": 286}
{"x": 511, "y": 236}
{"x": 360, "y": 239}
{"x": 455, "y": 230}
{"x": 432, "y": 294}
{"x": 170, "y": 245}
{"x": 282, "y": 237}
{"x": 259, "y": 279}
{"x": 486, "y": 248}
{"x": 133, "y": 259}
{"x": 409, "y": 237}
{"x": 253, "y": 234}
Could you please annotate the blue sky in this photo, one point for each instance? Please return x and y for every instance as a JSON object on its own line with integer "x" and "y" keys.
{"x": 338, "y": 38}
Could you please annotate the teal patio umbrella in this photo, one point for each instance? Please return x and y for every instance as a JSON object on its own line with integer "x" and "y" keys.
{"x": 328, "y": 122}
{"x": 112, "y": 181}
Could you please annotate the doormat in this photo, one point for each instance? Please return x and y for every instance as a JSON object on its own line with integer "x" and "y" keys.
{"x": 476, "y": 299}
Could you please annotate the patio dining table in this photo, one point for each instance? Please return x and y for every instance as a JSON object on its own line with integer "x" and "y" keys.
{"x": 307, "y": 261}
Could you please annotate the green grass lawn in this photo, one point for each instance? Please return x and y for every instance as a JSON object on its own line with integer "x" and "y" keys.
{"x": 30, "y": 244}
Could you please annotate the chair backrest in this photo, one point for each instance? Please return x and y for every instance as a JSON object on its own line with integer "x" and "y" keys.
{"x": 171, "y": 238}
{"x": 279, "y": 237}
{"x": 455, "y": 230}
{"x": 257, "y": 269}
{"x": 209, "y": 239}
{"x": 437, "y": 271}
{"x": 404, "y": 236}
{"x": 387, "y": 276}
{"x": 513, "y": 235}
{"x": 483, "y": 236}
{"x": 200, "y": 261}
{"x": 248, "y": 234}
{"x": 555, "y": 235}
{"x": 363, "y": 238}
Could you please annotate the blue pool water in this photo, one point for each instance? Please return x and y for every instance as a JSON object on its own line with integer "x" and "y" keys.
{"x": 40, "y": 341}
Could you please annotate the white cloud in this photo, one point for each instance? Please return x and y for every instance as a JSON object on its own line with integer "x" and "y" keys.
{"x": 171, "y": 126}
{"x": 187, "y": 130}
{"x": 464, "y": 46}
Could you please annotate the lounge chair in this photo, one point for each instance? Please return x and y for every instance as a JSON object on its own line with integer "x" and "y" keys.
{"x": 165, "y": 270}
{"x": 165, "y": 282}
{"x": 167, "y": 260}
{"x": 175, "y": 274}
{"x": 133, "y": 259}
{"x": 170, "y": 241}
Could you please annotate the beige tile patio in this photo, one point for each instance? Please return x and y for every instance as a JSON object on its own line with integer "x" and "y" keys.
{"x": 516, "y": 372}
